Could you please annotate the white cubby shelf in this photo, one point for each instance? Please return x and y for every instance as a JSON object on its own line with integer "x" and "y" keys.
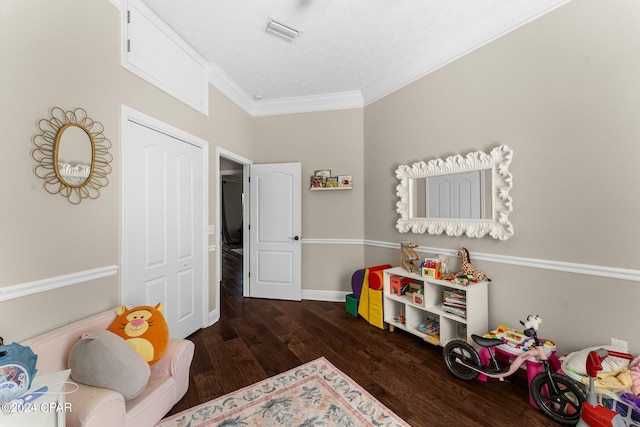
{"x": 451, "y": 326}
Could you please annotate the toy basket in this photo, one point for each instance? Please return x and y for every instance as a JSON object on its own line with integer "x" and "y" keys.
{"x": 628, "y": 410}
{"x": 623, "y": 403}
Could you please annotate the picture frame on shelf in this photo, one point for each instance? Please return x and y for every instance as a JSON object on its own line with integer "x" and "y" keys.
{"x": 324, "y": 173}
{"x": 332, "y": 182}
{"x": 316, "y": 181}
{"x": 344, "y": 181}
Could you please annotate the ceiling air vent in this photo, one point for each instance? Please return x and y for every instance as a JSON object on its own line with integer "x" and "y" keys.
{"x": 281, "y": 30}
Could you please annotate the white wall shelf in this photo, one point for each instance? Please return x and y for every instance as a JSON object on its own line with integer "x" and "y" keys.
{"x": 329, "y": 188}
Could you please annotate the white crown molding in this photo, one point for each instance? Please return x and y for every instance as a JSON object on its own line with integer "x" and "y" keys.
{"x": 225, "y": 84}
{"x": 30, "y": 288}
{"x": 302, "y": 104}
{"x": 307, "y": 104}
{"x": 444, "y": 54}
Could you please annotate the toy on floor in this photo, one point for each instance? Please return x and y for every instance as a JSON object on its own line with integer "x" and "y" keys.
{"x": 592, "y": 414}
{"x": 468, "y": 270}
{"x": 557, "y": 395}
{"x": 370, "y": 305}
{"x": 407, "y": 256}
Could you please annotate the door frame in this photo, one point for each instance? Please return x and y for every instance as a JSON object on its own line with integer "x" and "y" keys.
{"x": 246, "y": 163}
{"x": 130, "y": 114}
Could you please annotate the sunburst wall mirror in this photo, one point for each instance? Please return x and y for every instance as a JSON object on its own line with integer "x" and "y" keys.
{"x": 72, "y": 155}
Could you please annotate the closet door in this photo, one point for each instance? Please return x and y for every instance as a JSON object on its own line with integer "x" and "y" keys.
{"x": 164, "y": 227}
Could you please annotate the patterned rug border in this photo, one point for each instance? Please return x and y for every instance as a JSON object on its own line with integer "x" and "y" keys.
{"x": 291, "y": 372}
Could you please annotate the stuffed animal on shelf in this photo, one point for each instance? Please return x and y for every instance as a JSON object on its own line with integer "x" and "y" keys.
{"x": 468, "y": 270}
{"x": 444, "y": 260}
{"x": 144, "y": 328}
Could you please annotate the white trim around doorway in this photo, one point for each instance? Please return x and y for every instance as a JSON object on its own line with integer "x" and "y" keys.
{"x": 214, "y": 316}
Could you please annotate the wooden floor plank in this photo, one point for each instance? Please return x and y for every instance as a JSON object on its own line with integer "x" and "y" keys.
{"x": 256, "y": 339}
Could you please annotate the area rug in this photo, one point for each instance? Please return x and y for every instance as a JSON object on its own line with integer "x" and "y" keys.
{"x": 314, "y": 394}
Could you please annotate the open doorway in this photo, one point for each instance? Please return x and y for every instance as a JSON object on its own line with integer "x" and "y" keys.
{"x": 232, "y": 258}
{"x": 231, "y": 224}
{"x": 278, "y": 184}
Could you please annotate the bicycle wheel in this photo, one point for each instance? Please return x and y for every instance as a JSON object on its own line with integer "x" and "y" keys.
{"x": 560, "y": 398}
{"x": 458, "y": 349}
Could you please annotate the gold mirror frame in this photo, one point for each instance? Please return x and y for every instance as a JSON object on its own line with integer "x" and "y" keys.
{"x": 46, "y": 155}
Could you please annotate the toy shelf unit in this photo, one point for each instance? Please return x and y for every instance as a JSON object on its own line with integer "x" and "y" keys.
{"x": 437, "y": 311}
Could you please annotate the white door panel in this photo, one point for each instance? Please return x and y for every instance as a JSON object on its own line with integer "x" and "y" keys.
{"x": 163, "y": 226}
{"x": 275, "y": 226}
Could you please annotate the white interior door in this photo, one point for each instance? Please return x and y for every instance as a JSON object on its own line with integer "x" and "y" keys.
{"x": 164, "y": 226}
{"x": 275, "y": 226}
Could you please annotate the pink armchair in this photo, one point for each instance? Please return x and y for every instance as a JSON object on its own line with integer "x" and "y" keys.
{"x": 94, "y": 406}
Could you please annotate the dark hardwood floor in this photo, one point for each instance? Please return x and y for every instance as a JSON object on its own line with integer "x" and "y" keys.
{"x": 256, "y": 338}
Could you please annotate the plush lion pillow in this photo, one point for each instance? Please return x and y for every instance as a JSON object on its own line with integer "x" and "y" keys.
{"x": 144, "y": 329}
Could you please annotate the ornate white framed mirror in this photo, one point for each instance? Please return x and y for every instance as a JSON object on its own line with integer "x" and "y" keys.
{"x": 457, "y": 195}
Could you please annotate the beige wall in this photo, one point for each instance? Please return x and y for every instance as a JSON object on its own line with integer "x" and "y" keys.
{"x": 563, "y": 92}
{"x": 67, "y": 53}
{"x": 324, "y": 140}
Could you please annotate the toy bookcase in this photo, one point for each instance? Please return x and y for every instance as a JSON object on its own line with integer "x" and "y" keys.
{"x": 452, "y": 326}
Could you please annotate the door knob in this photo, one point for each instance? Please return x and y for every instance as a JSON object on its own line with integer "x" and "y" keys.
{"x": 295, "y": 238}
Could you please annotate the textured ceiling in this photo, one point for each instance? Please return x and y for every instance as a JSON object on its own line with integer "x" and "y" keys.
{"x": 370, "y": 47}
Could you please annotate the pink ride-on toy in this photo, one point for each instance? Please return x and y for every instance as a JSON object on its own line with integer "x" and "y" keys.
{"x": 592, "y": 414}
{"x": 557, "y": 396}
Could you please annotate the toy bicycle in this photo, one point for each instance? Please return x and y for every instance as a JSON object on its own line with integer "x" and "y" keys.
{"x": 594, "y": 415}
{"x": 557, "y": 395}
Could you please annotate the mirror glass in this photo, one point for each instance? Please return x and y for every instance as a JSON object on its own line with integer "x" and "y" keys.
{"x": 464, "y": 195}
{"x": 74, "y": 155}
{"x": 457, "y": 195}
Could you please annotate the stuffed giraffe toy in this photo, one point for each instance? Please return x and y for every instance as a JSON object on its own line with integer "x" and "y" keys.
{"x": 468, "y": 270}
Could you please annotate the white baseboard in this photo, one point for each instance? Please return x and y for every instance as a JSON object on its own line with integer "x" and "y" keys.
{"x": 332, "y": 296}
{"x": 214, "y": 316}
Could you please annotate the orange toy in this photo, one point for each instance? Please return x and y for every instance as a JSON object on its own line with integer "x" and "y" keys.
{"x": 144, "y": 329}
